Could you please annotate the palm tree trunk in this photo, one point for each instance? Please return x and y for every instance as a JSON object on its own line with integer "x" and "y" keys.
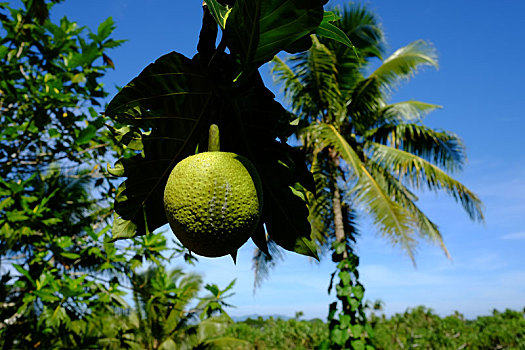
{"x": 337, "y": 206}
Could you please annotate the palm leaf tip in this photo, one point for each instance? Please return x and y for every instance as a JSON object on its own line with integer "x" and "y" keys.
{"x": 262, "y": 263}
{"x": 405, "y": 63}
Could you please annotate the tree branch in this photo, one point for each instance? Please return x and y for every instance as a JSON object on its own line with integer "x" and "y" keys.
{"x": 208, "y": 35}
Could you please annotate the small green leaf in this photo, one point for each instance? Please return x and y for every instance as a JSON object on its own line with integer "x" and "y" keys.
{"x": 53, "y": 133}
{"x": 6, "y": 203}
{"x": 306, "y": 246}
{"x": 92, "y": 112}
{"x": 117, "y": 170}
{"x": 213, "y": 288}
{"x": 64, "y": 242}
{"x": 344, "y": 321}
{"x": 69, "y": 255}
{"x": 46, "y": 296}
{"x": 330, "y": 16}
{"x": 356, "y": 329}
{"x": 52, "y": 221}
{"x": 219, "y": 12}
{"x": 345, "y": 277}
{"x": 129, "y": 137}
{"x": 358, "y": 291}
{"x": 106, "y": 266}
{"x": 168, "y": 344}
{"x": 3, "y": 51}
{"x": 123, "y": 228}
{"x": 25, "y": 273}
{"x": 358, "y": 345}
{"x": 354, "y": 304}
{"x": 330, "y": 31}
{"x": 15, "y": 216}
{"x": 78, "y": 78}
{"x": 105, "y": 28}
{"x": 343, "y": 291}
{"x": 339, "y": 336}
{"x": 86, "y": 135}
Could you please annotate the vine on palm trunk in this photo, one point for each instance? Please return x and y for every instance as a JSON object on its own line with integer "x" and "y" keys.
{"x": 348, "y": 324}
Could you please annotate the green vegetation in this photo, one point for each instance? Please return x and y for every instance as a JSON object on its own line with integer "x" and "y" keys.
{"x": 63, "y": 282}
{"x": 416, "y": 328}
{"x": 64, "y": 279}
{"x": 164, "y": 316}
{"x": 421, "y": 327}
{"x": 368, "y": 156}
{"x": 280, "y": 334}
{"x": 60, "y": 275}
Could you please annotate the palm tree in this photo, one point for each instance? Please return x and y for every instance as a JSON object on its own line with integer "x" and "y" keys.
{"x": 366, "y": 153}
{"x": 163, "y": 317}
{"x": 161, "y": 299}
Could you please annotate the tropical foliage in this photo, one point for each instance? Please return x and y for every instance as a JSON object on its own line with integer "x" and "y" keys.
{"x": 419, "y": 327}
{"x": 164, "y": 317}
{"x": 58, "y": 271}
{"x": 63, "y": 281}
{"x": 367, "y": 155}
{"x": 276, "y": 333}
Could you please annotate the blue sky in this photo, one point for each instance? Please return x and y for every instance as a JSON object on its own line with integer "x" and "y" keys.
{"x": 480, "y": 85}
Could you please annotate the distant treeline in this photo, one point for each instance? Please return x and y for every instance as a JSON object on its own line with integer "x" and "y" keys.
{"x": 418, "y": 328}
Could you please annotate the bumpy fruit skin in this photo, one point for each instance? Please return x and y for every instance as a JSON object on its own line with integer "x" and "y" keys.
{"x": 213, "y": 202}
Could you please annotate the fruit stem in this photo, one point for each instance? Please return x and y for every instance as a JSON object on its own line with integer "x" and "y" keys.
{"x": 213, "y": 139}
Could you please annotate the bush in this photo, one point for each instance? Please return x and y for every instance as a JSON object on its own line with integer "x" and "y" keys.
{"x": 417, "y": 327}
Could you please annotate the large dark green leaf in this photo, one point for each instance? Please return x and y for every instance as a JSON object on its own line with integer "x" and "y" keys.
{"x": 285, "y": 213}
{"x": 257, "y": 30}
{"x": 164, "y": 108}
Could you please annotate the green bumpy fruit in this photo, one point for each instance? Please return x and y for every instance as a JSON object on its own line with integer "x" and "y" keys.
{"x": 213, "y": 202}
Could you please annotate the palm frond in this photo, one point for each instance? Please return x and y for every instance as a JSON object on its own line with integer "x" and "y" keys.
{"x": 292, "y": 87}
{"x": 424, "y": 227}
{"x": 327, "y": 135}
{"x": 392, "y": 220}
{"x": 404, "y": 63}
{"x": 363, "y": 29}
{"x": 321, "y": 214}
{"x": 420, "y": 173}
{"x": 390, "y": 217}
{"x": 443, "y": 148}
{"x": 406, "y": 111}
{"x": 310, "y": 83}
{"x": 189, "y": 283}
{"x": 262, "y": 264}
{"x": 365, "y": 100}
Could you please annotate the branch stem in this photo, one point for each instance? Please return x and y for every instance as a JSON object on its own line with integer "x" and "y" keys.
{"x": 214, "y": 144}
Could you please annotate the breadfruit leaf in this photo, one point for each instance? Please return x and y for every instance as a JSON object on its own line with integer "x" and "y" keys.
{"x": 162, "y": 111}
{"x": 257, "y": 30}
